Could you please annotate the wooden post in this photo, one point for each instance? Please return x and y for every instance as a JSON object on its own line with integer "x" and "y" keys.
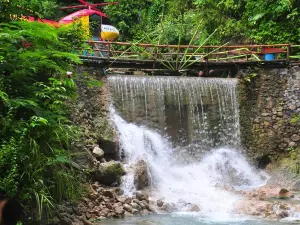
{"x": 155, "y": 55}
{"x": 288, "y": 52}
{"x": 108, "y": 51}
{"x": 177, "y": 57}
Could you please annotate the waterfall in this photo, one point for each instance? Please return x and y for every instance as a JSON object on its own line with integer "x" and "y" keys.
{"x": 187, "y": 130}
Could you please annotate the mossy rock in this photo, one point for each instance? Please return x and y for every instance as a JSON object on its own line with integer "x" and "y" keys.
{"x": 109, "y": 173}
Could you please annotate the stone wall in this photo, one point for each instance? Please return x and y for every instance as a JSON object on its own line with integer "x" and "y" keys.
{"x": 90, "y": 113}
{"x": 267, "y": 104}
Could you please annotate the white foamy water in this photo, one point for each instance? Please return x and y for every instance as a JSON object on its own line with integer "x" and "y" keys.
{"x": 201, "y": 183}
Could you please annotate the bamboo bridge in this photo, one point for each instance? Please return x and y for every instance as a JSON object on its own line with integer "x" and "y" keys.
{"x": 137, "y": 56}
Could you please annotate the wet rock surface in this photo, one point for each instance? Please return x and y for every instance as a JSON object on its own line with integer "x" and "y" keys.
{"x": 141, "y": 177}
{"x": 102, "y": 203}
{"x": 269, "y": 201}
{"x": 107, "y": 203}
{"x": 109, "y": 173}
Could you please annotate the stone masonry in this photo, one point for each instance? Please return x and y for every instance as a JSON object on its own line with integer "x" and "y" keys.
{"x": 268, "y": 102}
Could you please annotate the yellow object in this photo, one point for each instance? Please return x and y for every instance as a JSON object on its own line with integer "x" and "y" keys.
{"x": 108, "y": 32}
{"x": 85, "y": 21}
{"x": 108, "y": 35}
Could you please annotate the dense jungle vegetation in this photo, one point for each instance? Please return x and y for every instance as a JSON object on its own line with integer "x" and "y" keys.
{"x": 237, "y": 21}
{"x": 35, "y": 132}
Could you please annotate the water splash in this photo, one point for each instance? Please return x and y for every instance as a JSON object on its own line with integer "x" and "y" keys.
{"x": 200, "y": 183}
{"x": 187, "y": 131}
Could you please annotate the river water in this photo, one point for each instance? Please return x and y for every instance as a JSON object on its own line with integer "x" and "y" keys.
{"x": 180, "y": 219}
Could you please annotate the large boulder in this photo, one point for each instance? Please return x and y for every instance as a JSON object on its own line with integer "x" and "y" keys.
{"x": 141, "y": 176}
{"x": 109, "y": 173}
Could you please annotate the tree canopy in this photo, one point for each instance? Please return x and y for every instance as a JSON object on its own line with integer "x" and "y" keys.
{"x": 238, "y": 21}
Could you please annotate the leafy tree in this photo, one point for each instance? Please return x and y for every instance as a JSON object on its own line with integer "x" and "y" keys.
{"x": 178, "y": 8}
{"x": 237, "y": 21}
{"x": 273, "y": 21}
{"x": 35, "y": 133}
{"x": 132, "y": 17}
{"x": 251, "y": 21}
{"x": 16, "y": 8}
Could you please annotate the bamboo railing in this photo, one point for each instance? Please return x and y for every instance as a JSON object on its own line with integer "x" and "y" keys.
{"x": 127, "y": 50}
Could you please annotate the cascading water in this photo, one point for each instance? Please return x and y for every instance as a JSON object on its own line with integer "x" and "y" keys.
{"x": 187, "y": 130}
{"x": 189, "y": 110}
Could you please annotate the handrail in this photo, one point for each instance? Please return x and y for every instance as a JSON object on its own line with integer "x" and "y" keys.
{"x": 185, "y": 46}
{"x": 187, "y": 54}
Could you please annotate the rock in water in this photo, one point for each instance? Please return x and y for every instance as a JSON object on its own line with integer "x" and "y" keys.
{"x": 193, "y": 208}
{"x": 142, "y": 195}
{"x": 159, "y": 203}
{"x": 109, "y": 173}
{"x": 119, "y": 210}
{"x": 141, "y": 177}
{"x": 128, "y": 208}
{"x": 169, "y": 207}
{"x": 284, "y": 193}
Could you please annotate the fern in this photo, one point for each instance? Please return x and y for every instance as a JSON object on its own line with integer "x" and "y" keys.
{"x": 35, "y": 132}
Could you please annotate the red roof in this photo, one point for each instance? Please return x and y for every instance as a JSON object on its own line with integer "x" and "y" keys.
{"x": 84, "y": 12}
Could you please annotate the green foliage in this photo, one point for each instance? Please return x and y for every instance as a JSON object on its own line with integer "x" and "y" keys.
{"x": 238, "y": 21}
{"x": 291, "y": 162}
{"x": 273, "y": 21}
{"x": 296, "y": 119}
{"x": 12, "y": 9}
{"x": 291, "y": 149}
{"x": 35, "y": 133}
{"x": 183, "y": 28}
{"x": 132, "y": 16}
{"x": 249, "y": 77}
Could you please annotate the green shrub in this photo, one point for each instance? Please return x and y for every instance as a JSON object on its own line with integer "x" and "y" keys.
{"x": 296, "y": 119}
{"x": 35, "y": 132}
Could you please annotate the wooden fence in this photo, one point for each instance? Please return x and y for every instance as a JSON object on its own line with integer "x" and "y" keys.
{"x": 180, "y": 53}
